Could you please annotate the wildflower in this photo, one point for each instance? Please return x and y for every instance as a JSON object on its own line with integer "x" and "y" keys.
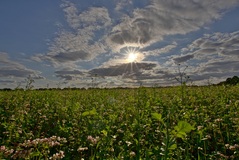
{"x": 132, "y": 154}
{"x": 199, "y": 148}
{"x": 5, "y": 151}
{"x": 59, "y": 138}
{"x": 2, "y": 148}
{"x": 227, "y": 145}
{"x": 120, "y": 143}
{"x": 157, "y": 131}
{"x": 200, "y": 128}
{"x": 80, "y": 149}
{"x": 203, "y": 139}
{"x": 112, "y": 150}
{"x": 120, "y": 131}
{"x": 208, "y": 137}
{"x": 218, "y": 120}
{"x": 59, "y": 155}
{"x": 214, "y": 125}
{"x": 232, "y": 148}
{"x": 53, "y": 138}
{"x": 128, "y": 143}
{"x": 196, "y": 109}
{"x": 222, "y": 155}
{"x": 92, "y": 139}
{"x": 34, "y": 142}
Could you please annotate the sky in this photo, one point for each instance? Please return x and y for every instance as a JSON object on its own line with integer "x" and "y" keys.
{"x": 117, "y": 43}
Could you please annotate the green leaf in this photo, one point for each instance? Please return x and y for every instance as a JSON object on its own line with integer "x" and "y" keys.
{"x": 182, "y": 128}
{"x": 104, "y": 132}
{"x": 172, "y": 147}
{"x": 157, "y": 116}
{"x": 89, "y": 113}
{"x": 35, "y": 154}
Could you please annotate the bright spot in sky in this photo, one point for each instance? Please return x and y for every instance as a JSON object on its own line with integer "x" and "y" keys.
{"x": 132, "y": 57}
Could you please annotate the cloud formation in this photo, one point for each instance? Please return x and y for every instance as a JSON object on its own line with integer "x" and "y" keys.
{"x": 182, "y": 59}
{"x": 9, "y": 68}
{"x": 213, "y": 56}
{"x": 162, "y": 18}
{"x": 94, "y": 32}
{"x": 160, "y": 51}
{"x": 126, "y": 69}
{"x": 69, "y": 74}
{"x": 84, "y": 42}
{"x": 97, "y": 37}
{"x": 224, "y": 45}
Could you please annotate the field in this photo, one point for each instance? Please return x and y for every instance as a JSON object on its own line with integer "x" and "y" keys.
{"x": 144, "y": 123}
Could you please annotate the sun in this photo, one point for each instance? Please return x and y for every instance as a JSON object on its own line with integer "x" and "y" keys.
{"x": 132, "y": 57}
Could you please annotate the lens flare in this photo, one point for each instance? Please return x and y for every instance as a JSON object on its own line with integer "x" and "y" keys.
{"x": 132, "y": 57}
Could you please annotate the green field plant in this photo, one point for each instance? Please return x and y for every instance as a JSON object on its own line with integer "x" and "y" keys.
{"x": 140, "y": 123}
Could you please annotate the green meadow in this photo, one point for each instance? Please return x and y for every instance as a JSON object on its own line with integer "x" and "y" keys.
{"x": 145, "y": 123}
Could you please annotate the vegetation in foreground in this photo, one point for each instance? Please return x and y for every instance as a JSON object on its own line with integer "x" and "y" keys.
{"x": 143, "y": 123}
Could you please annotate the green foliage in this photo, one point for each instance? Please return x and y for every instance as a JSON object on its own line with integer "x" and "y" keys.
{"x": 182, "y": 129}
{"x": 143, "y": 123}
{"x": 157, "y": 116}
{"x": 89, "y": 113}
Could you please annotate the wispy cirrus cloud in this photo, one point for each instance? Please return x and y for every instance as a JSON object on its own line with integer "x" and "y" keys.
{"x": 103, "y": 34}
{"x": 94, "y": 32}
{"x": 84, "y": 42}
{"x": 161, "y": 18}
{"x": 213, "y": 56}
{"x": 94, "y": 18}
{"x": 165, "y": 49}
{"x": 221, "y": 45}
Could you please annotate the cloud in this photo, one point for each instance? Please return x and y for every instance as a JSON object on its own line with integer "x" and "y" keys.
{"x": 161, "y": 18}
{"x": 123, "y": 4}
{"x": 69, "y": 48}
{"x": 94, "y": 18}
{"x": 211, "y": 63}
{"x": 146, "y": 73}
{"x": 82, "y": 43}
{"x": 163, "y": 50}
{"x": 89, "y": 35}
{"x": 184, "y": 58}
{"x": 71, "y": 56}
{"x": 233, "y": 53}
{"x": 14, "y": 72}
{"x": 126, "y": 69}
{"x": 223, "y": 66}
{"x": 6, "y": 81}
{"x": 69, "y": 74}
{"x": 213, "y": 56}
{"x": 103, "y": 35}
{"x": 219, "y": 47}
{"x": 216, "y": 44}
{"x": 9, "y": 68}
{"x": 5, "y": 61}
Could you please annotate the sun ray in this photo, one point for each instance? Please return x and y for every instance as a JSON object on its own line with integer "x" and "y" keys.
{"x": 132, "y": 55}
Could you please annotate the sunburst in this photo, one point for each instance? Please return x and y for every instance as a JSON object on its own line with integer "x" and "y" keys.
{"x": 132, "y": 55}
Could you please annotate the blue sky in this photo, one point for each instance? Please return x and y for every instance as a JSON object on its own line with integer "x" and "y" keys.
{"x": 117, "y": 43}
